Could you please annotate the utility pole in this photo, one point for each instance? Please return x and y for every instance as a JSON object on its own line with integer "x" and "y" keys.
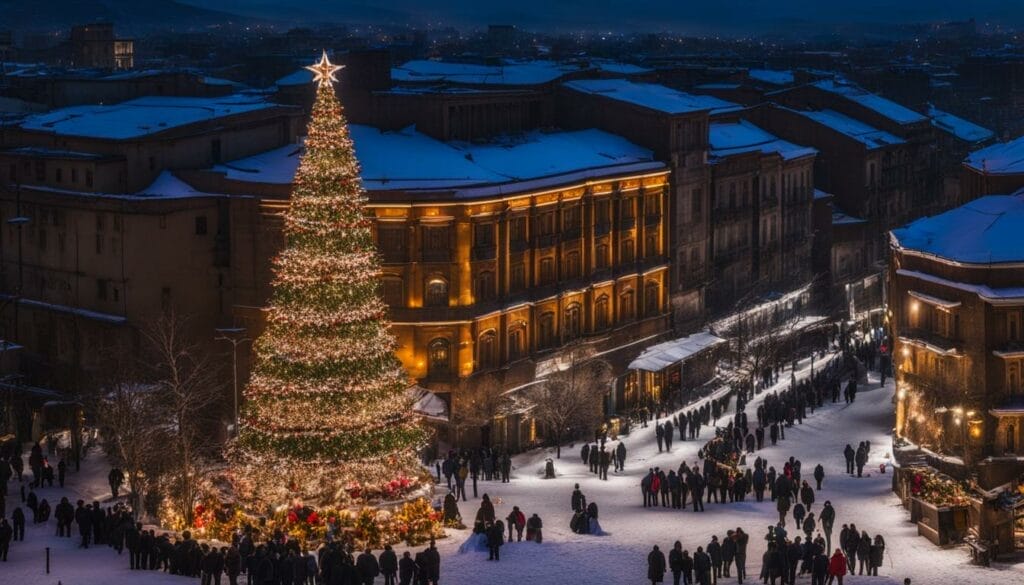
{"x": 234, "y": 336}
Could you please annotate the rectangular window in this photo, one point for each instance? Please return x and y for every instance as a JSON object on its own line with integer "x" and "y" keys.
{"x": 42, "y": 239}
{"x": 59, "y": 175}
{"x": 517, "y": 229}
{"x": 601, "y": 212}
{"x": 571, "y": 218}
{"x": 99, "y": 243}
{"x": 200, "y": 225}
{"x": 546, "y": 223}
{"x": 391, "y": 241}
{"x": 483, "y": 235}
{"x": 695, "y": 204}
{"x": 100, "y": 222}
{"x": 101, "y": 289}
{"x": 547, "y": 271}
{"x": 517, "y": 277}
{"x": 88, "y": 179}
{"x": 435, "y": 243}
{"x": 74, "y": 175}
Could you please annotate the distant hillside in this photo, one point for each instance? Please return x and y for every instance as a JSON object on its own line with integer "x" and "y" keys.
{"x": 128, "y": 16}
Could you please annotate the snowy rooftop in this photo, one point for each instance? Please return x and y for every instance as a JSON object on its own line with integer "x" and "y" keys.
{"x": 407, "y": 159}
{"x": 885, "y": 107}
{"x": 986, "y": 230}
{"x": 839, "y": 217}
{"x": 772, "y": 76}
{"x": 298, "y": 77}
{"x": 508, "y": 73}
{"x": 962, "y": 129}
{"x": 1005, "y": 158}
{"x": 728, "y": 138}
{"x": 140, "y": 117}
{"x": 168, "y": 186}
{"x": 653, "y": 96}
{"x": 870, "y": 136}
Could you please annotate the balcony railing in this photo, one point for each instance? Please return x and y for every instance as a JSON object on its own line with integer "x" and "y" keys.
{"x": 925, "y": 337}
{"x": 484, "y": 253}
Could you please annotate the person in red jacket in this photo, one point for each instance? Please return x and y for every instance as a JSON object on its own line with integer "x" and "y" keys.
{"x": 516, "y": 520}
{"x": 837, "y": 567}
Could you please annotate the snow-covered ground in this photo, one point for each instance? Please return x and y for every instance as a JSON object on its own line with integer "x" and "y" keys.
{"x": 620, "y": 556}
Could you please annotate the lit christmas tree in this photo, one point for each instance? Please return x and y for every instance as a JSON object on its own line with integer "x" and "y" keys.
{"x": 327, "y": 420}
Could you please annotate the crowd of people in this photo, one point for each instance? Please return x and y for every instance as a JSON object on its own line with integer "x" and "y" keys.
{"x": 483, "y": 463}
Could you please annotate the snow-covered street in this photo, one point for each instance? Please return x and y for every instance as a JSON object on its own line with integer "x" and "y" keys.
{"x": 620, "y": 556}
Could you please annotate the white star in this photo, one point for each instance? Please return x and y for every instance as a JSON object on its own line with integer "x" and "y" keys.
{"x": 323, "y": 72}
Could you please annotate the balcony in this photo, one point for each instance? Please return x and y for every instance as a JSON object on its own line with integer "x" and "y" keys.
{"x": 931, "y": 341}
{"x": 545, "y": 241}
{"x": 602, "y": 228}
{"x": 627, "y": 223}
{"x": 652, "y": 219}
{"x": 573, "y": 233}
{"x": 720, "y": 214}
{"x": 484, "y": 252}
{"x": 429, "y": 255}
{"x": 519, "y": 245}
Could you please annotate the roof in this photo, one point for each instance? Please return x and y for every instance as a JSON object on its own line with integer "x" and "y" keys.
{"x": 1005, "y": 158}
{"x": 407, "y": 159}
{"x": 772, "y": 76}
{"x": 168, "y": 186}
{"x": 985, "y": 231}
{"x": 1012, "y": 295}
{"x": 958, "y": 127}
{"x": 140, "y": 117}
{"x": 869, "y": 136}
{"x": 729, "y": 138}
{"x": 888, "y": 108}
{"x": 298, "y": 77}
{"x": 620, "y": 68}
{"x": 841, "y": 218}
{"x": 652, "y": 96}
{"x": 508, "y": 73}
{"x": 660, "y": 356}
{"x": 42, "y": 152}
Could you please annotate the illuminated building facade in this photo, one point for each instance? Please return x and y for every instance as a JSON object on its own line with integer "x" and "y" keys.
{"x": 956, "y": 296}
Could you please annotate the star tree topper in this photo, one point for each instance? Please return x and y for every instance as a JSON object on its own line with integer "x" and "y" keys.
{"x": 323, "y": 72}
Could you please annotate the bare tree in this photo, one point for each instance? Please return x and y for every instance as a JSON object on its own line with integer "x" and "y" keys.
{"x": 478, "y": 402}
{"x": 569, "y": 401}
{"x": 188, "y": 405}
{"x": 127, "y": 414}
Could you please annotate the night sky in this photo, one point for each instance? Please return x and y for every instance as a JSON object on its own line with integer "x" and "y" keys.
{"x": 682, "y": 15}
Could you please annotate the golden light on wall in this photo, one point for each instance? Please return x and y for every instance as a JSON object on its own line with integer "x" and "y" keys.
{"x": 974, "y": 428}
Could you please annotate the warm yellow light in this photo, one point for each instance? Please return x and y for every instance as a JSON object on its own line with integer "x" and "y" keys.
{"x": 906, "y": 351}
{"x": 914, "y": 306}
{"x": 902, "y": 393}
{"x": 957, "y": 421}
{"x": 970, "y": 413}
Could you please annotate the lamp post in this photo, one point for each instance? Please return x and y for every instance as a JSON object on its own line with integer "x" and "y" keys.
{"x": 234, "y": 336}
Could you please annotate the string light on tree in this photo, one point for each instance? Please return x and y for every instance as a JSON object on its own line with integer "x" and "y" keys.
{"x": 327, "y": 420}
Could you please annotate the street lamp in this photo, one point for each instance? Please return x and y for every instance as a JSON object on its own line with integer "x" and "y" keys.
{"x": 234, "y": 336}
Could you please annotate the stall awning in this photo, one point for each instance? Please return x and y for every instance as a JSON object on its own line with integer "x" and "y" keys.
{"x": 658, "y": 357}
{"x": 428, "y": 405}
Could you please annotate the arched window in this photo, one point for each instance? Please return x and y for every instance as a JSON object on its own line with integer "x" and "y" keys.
{"x": 487, "y": 351}
{"x": 485, "y": 286}
{"x": 517, "y": 341}
{"x": 571, "y": 326}
{"x": 601, "y": 313}
{"x": 651, "y": 299}
{"x": 439, "y": 357}
{"x": 436, "y": 293}
{"x": 546, "y": 331}
{"x": 627, "y": 305}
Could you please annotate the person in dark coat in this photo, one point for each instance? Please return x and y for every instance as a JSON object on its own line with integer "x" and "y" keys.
{"x": 6, "y": 533}
{"x": 714, "y": 551}
{"x": 864, "y": 553}
{"x": 585, "y": 453}
{"x": 877, "y": 555}
{"x": 659, "y": 433}
{"x": 675, "y": 562}
{"x": 827, "y": 518}
{"x": 819, "y": 569}
{"x": 495, "y": 538}
{"x": 656, "y": 562}
{"x": 84, "y": 518}
{"x": 701, "y": 567}
{"x": 741, "y": 539}
{"x": 132, "y": 540}
{"x": 807, "y": 496}
{"x": 849, "y": 453}
{"x": 388, "y": 562}
{"x": 620, "y": 456}
{"x": 577, "y": 499}
{"x": 406, "y": 569}
{"x": 98, "y": 517}
{"x": 819, "y": 475}
{"x": 367, "y": 567}
{"x": 233, "y": 565}
{"x": 728, "y": 552}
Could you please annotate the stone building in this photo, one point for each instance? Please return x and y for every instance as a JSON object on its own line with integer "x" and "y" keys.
{"x": 956, "y": 297}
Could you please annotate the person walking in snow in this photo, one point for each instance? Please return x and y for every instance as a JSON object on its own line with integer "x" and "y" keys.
{"x": 849, "y": 453}
{"x": 620, "y": 456}
{"x": 656, "y": 565}
{"x": 819, "y": 475}
{"x": 659, "y": 433}
{"x": 827, "y": 518}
